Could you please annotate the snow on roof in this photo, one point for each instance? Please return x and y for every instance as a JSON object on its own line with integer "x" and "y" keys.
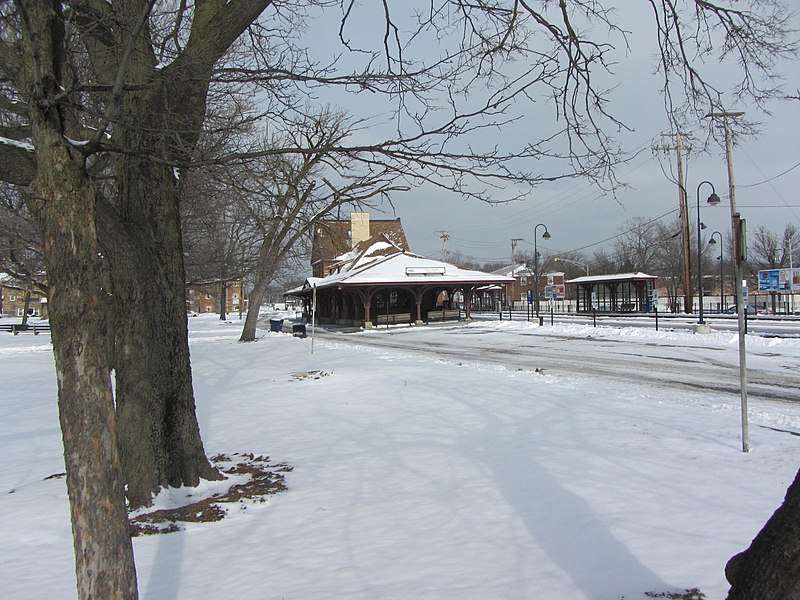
{"x": 521, "y": 270}
{"x": 402, "y": 268}
{"x": 614, "y": 277}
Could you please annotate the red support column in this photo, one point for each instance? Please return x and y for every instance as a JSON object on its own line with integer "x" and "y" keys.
{"x": 468, "y": 303}
{"x": 367, "y": 320}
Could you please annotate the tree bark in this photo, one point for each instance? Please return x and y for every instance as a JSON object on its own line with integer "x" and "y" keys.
{"x": 63, "y": 203}
{"x": 159, "y": 434}
{"x": 25, "y": 305}
{"x": 256, "y": 299}
{"x": 770, "y": 568}
{"x": 223, "y": 300}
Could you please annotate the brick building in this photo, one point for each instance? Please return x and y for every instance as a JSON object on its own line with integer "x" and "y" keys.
{"x": 205, "y": 298}
{"x": 13, "y": 300}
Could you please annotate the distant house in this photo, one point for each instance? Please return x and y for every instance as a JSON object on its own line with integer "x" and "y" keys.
{"x": 205, "y": 297}
{"x": 333, "y": 239}
{"x": 551, "y": 285}
{"x": 17, "y": 299}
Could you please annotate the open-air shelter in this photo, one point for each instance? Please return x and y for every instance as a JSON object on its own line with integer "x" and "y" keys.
{"x": 621, "y": 292}
{"x": 380, "y": 283}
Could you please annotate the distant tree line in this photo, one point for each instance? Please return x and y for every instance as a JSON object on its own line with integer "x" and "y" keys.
{"x": 655, "y": 248}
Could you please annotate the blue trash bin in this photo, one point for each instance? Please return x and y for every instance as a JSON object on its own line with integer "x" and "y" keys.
{"x": 276, "y": 325}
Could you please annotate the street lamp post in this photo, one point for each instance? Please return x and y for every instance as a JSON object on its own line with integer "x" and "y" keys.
{"x": 713, "y": 242}
{"x": 574, "y": 262}
{"x": 545, "y": 236}
{"x": 713, "y": 200}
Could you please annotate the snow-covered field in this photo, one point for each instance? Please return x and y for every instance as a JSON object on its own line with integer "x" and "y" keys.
{"x": 415, "y": 478}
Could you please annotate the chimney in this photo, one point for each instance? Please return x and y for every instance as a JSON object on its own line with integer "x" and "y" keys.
{"x": 359, "y": 228}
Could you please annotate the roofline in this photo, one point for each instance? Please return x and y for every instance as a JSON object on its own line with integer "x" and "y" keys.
{"x": 421, "y": 281}
{"x": 619, "y": 278}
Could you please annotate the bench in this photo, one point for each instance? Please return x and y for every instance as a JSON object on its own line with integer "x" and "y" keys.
{"x": 393, "y": 318}
{"x": 444, "y": 315}
{"x": 15, "y": 328}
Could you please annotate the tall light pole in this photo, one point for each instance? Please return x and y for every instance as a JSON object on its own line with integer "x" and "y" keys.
{"x": 713, "y": 200}
{"x": 713, "y": 242}
{"x": 545, "y": 236}
{"x": 574, "y": 262}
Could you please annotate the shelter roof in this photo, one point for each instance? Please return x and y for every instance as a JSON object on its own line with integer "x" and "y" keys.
{"x": 380, "y": 265}
{"x": 613, "y": 278}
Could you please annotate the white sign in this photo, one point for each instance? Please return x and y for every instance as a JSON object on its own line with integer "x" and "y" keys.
{"x": 425, "y": 270}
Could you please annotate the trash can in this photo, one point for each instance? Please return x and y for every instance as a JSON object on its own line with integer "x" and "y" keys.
{"x": 299, "y": 330}
{"x": 276, "y": 325}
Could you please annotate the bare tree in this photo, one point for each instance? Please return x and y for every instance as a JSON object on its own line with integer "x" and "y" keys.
{"x": 669, "y": 250}
{"x": 769, "y": 250}
{"x": 636, "y": 248}
{"x": 21, "y": 252}
{"x": 287, "y": 195}
{"x": 105, "y": 103}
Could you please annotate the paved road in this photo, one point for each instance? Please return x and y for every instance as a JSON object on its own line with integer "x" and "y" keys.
{"x": 770, "y": 374}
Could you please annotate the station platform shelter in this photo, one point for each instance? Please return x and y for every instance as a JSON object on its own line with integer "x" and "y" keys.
{"x": 620, "y": 292}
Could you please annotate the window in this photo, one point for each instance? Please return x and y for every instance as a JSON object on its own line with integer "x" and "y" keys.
{"x": 208, "y": 296}
{"x": 235, "y": 307}
{"x": 236, "y": 296}
{"x": 12, "y": 298}
{"x": 20, "y": 312}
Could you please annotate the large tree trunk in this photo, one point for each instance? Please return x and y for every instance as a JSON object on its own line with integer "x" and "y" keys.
{"x": 159, "y": 433}
{"x": 63, "y": 203}
{"x": 78, "y": 315}
{"x": 162, "y": 119}
{"x": 770, "y": 568}
{"x": 103, "y": 550}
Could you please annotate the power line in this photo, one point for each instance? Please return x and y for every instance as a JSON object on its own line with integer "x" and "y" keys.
{"x": 789, "y": 170}
{"x": 653, "y": 220}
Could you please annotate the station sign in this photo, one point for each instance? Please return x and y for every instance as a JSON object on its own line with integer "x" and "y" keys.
{"x": 425, "y": 270}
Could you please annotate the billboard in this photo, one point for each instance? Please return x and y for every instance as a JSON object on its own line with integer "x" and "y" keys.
{"x": 555, "y": 292}
{"x": 779, "y": 280}
{"x": 769, "y": 280}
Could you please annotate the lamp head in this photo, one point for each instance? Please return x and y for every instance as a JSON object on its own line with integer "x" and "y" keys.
{"x": 546, "y": 235}
{"x": 713, "y": 199}
{"x": 712, "y": 242}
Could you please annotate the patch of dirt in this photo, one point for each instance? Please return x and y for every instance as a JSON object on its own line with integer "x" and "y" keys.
{"x": 692, "y": 594}
{"x": 265, "y": 479}
{"x": 301, "y": 375}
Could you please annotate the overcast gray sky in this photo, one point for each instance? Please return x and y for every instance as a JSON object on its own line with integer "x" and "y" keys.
{"x": 579, "y": 215}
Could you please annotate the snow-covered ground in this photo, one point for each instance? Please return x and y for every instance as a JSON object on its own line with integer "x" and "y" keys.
{"x": 420, "y": 478}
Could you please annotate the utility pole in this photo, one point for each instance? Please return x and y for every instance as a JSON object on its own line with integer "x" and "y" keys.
{"x": 510, "y": 288}
{"x": 683, "y": 206}
{"x": 739, "y": 255}
{"x": 444, "y": 236}
{"x": 514, "y": 242}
